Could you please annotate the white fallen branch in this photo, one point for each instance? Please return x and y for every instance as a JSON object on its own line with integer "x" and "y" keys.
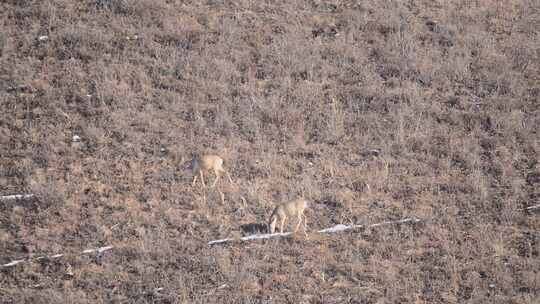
{"x": 98, "y": 250}
{"x": 16, "y": 197}
{"x": 250, "y": 237}
{"x": 532, "y": 207}
{"x": 337, "y": 228}
{"x": 55, "y": 256}
{"x": 13, "y": 263}
{"x": 403, "y": 221}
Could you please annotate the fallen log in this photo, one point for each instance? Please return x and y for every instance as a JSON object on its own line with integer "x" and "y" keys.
{"x": 16, "y": 197}
{"x": 337, "y": 228}
{"x": 98, "y": 251}
{"x": 535, "y": 207}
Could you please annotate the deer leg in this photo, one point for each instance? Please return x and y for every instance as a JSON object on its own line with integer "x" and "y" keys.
{"x": 272, "y": 225}
{"x": 229, "y": 176}
{"x": 298, "y": 223}
{"x": 222, "y": 197}
{"x": 305, "y": 225}
{"x": 194, "y": 180}
{"x": 202, "y": 178}
{"x": 217, "y": 177}
{"x": 282, "y": 224}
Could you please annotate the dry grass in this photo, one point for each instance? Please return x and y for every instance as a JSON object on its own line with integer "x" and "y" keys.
{"x": 295, "y": 96}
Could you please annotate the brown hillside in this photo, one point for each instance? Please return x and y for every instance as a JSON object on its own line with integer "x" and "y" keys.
{"x": 375, "y": 110}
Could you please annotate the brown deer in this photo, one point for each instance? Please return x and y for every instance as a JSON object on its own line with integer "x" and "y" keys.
{"x": 201, "y": 163}
{"x": 292, "y": 209}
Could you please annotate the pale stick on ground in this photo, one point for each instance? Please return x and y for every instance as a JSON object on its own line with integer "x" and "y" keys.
{"x": 99, "y": 250}
{"x": 16, "y": 197}
{"x": 337, "y": 228}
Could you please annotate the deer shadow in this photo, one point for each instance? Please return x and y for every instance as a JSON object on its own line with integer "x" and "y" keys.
{"x": 254, "y": 228}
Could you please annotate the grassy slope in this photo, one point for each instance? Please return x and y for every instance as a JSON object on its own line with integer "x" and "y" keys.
{"x": 293, "y": 95}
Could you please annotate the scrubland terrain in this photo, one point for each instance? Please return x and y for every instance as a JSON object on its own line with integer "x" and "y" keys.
{"x": 375, "y": 110}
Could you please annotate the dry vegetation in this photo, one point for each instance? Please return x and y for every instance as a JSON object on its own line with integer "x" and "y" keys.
{"x": 297, "y": 96}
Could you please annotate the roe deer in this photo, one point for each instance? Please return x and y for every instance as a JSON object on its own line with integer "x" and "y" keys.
{"x": 292, "y": 209}
{"x": 208, "y": 162}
